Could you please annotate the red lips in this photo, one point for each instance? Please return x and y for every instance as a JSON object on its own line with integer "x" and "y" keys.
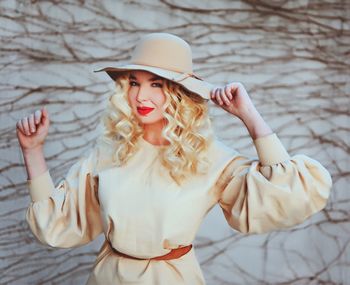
{"x": 144, "y": 110}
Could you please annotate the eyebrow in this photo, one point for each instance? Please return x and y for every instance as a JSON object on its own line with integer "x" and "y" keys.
{"x": 154, "y": 78}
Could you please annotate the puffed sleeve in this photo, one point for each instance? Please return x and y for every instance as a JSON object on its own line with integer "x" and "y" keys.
{"x": 66, "y": 215}
{"x": 273, "y": 191}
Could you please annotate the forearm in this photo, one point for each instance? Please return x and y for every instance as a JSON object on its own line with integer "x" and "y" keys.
{"x": 34, "y": 162}
{"x": 255, "y": 124}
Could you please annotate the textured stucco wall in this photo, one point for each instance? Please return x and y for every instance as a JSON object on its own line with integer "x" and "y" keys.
{"x": 293, "y": 58}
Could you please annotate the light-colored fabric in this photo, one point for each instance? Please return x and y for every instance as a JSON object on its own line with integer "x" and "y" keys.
{"x": 44, "y": 182}
{"x": 258, "y": 198}
{"x": 143, "y": 213}
{"x": 71, "y": 215}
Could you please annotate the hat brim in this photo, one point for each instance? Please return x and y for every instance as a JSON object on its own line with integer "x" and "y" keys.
{"x": 192, "y": 83}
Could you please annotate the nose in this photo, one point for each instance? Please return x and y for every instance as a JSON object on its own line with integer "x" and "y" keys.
{"x": 142, "y": 93}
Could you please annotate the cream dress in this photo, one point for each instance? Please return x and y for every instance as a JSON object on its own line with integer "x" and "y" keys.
{"x": 143, "y": 213}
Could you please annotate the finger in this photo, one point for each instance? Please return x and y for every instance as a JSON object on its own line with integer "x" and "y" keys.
{"x": 25, "y": 126}
{"x": 32, "y": 127}
{"x": 45, "y": 115}
{"x": 224, "y": 97}
{"x": 37, "y": 116}
{"x": 234, "y": 87}
{"x": 19, "y": 126}
{"x": 44, "y": 111}
{"x": 213, "y": 95}
{"x": 217, "y": 96}
{"x": 228, "y": 92}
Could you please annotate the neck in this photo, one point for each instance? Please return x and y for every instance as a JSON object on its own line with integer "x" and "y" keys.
{"x": 153, "y": 133}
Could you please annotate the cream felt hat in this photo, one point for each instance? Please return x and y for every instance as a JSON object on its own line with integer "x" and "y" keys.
{"x": 168, "y": 56}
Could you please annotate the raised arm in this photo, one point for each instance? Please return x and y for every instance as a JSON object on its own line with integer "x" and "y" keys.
{"x": 274, "y": 190}
{"x": 66, "y": 215}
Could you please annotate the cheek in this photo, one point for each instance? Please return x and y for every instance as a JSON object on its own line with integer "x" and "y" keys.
{"x": 160, "y": 100}
{"x": 131, "y": 98}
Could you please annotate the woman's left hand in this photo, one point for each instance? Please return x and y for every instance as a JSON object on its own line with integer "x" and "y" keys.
{"x": 233, "y": 98}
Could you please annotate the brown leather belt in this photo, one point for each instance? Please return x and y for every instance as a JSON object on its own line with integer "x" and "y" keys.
{"x": 173, "y": 254}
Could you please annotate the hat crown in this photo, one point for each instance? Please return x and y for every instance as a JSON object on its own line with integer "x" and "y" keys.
{"x": 163, "y": 50}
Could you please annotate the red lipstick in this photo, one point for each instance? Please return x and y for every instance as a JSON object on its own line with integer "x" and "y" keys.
{"x": 144, "y": 110}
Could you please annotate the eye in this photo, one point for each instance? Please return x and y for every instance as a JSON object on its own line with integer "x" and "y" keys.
{"x": 157, "y": 84}
{"x": 132, "y": 83}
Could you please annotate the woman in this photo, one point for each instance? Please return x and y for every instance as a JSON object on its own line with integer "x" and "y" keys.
{"x": 158, "y": 170}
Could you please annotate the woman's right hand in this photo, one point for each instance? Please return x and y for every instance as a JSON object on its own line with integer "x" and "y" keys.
{"x": 33, "y": 129}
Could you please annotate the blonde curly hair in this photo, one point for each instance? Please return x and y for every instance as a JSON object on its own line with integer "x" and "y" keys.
{"x": 188, "y": 129}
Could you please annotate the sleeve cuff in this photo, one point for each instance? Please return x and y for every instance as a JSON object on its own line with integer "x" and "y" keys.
{"x": 41, "y": 187}
{"x": 270, "y": 150}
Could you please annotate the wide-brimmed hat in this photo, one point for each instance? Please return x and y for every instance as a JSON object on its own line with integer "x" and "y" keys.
{"x": 168, "y": 56}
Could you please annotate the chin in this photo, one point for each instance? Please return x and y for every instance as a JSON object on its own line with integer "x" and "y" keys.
{"x": 149, "y": 120}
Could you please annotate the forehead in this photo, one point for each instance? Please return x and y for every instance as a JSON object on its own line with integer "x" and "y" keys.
{"x": 144, "y": 75}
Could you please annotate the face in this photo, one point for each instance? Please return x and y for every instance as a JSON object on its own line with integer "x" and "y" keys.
{"x": 146, "y": 97}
